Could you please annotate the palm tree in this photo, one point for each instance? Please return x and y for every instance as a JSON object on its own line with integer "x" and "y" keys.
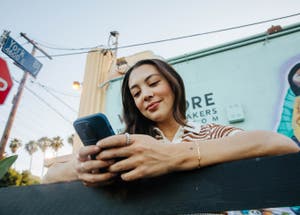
{"x": 71, "y": 139}
{"x": 56, "y": 144}
{"x": 31, "y": 147}
{"x": 44, "y": 143}
{"x": 14, "y": 145}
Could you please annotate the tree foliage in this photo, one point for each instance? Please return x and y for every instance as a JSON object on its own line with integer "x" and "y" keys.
{"x": 56, "y": 143}
{"x": 15, "y": 144}
{"x": 14, "y": 178}
{"x": 31, "y": 147}
{"x": 71, "y": 139}
{"x": 44, "y": 143}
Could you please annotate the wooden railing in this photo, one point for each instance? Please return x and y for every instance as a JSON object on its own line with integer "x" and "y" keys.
{"x": 246, "y": 184}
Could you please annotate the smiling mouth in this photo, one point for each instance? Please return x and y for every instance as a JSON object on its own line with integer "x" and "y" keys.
{"x": 153, "y": 106}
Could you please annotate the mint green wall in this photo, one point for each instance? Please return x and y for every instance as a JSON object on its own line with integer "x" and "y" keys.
{"x": 113, "y": 108}
{"x": 245, "y": 74}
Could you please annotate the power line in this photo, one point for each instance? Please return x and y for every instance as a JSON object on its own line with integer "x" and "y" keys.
{"x": 57, "y": 91}
{"x": 209, "y": 32}
{"x": 51, "y": 107}
{"x": 38, "y": 128}
{"x": 35, "y": 117}
{"x": 56, "y": 47}
{"x": 18, "y": 131}
{"x": 33, "y": 125}
{"x": 62, "y": 93}
{"x": 45, "y": 102}
{"x": 54, "y": 90}
{"x": 174, "y": 38}
{"x": 67, "y": 49}
{"x": 59, "y": 99}
{"x": 68, "y": 54}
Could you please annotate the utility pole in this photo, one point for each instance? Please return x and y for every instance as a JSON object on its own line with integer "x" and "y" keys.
{"x": 17, "y": 98}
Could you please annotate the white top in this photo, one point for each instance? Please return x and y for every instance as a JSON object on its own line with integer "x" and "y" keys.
{"x": 194, "y": 131}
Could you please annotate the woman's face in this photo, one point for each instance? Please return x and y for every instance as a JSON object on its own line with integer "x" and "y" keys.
{"x": 152, "y": 93}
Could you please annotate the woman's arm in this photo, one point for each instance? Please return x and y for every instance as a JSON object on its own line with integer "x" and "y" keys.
{"x": 242, "y": 145}
{"x": 146, "y": 157}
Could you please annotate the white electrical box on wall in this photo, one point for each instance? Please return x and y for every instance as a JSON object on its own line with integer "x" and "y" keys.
{"x": 235, "y": 113}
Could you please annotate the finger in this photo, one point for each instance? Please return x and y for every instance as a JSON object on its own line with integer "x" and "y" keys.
{"x": 104, "y": 168}
{"x": 142, "y": 172}
{"x": 114, "y": 153}
{"x": 133, "y": 175}
{"x": 96, "y": 178}
{"x": 113, "y": 141}
{"x": 90, "y": 165}
{"x": 85, "y": 151}
{"x": 124, "y": 165}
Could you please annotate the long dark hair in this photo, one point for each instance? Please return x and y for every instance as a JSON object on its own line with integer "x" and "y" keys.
{"x": 135, "y": 122}
{"x": 293, "y": 86}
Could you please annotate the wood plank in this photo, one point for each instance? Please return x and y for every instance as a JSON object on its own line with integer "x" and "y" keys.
{"x": 246, "y": 184}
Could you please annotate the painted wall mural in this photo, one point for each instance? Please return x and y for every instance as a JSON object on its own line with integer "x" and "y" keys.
{"x": 289, "y": 123}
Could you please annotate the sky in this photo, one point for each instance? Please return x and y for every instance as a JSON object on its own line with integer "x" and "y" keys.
{"x": 49, "y": 104}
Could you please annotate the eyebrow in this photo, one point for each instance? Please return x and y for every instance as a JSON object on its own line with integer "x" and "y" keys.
{"x": 146, "y": 79}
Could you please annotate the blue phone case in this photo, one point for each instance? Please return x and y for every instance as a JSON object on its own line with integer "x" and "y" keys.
{"x": 93, "y": 128}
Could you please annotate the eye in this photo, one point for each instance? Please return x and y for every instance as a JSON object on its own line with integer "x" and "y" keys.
{"x": 154, "y": 83}
{"x": 136, "y": 94}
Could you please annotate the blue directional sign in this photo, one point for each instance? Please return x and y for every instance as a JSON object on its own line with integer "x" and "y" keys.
{"x": 22, "y": 57}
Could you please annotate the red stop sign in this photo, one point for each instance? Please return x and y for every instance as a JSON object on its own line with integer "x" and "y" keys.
{"x": 5, "y": 81}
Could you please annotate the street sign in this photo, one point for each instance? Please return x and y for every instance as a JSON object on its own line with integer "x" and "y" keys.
{"x": 22, "y": 57}
{"x": 5, "y": 81}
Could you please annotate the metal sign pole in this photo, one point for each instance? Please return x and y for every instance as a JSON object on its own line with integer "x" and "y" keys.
{"x": 11, "y": 118}
{"x": 17, "y": 98}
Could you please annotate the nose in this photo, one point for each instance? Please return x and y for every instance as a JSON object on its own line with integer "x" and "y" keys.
{"x": 147, "y": 94}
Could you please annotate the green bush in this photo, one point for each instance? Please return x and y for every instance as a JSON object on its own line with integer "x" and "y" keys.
{"x": 14, "y": 178}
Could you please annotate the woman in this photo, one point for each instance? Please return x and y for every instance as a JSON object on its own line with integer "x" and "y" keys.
{"x": 154, "y": 112}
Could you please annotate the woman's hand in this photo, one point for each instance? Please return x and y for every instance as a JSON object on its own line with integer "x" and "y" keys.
{"x": 143, "y": 157}
{"x": 88, "y": 170}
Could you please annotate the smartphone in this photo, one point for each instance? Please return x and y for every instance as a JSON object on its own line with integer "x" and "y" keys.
{"x": 93, "y": 128}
